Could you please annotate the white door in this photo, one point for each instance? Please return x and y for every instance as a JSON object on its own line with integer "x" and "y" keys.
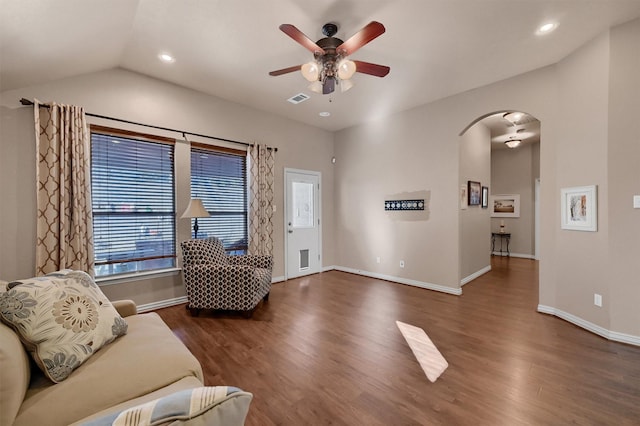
{"x": 302, "y": 222}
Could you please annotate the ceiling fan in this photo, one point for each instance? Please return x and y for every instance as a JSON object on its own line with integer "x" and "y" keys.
{"x": 331, "y": 65}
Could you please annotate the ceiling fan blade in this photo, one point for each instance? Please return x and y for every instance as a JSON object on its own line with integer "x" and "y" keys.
{"x": 372, "y": 69}
{"x": 285, "y": 70}
{"x": 299, "y": 36}
{"x": 372, "y": 30}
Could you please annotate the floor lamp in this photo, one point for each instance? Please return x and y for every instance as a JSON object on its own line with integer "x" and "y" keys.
{"x": 194, "y": 210}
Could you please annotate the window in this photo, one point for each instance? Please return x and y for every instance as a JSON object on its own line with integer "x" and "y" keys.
{"x": 132, "y": 185}
{"x": 219, "y": 178}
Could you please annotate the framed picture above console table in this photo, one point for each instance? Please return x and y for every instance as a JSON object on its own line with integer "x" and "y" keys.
{"x": 505, "y": 205}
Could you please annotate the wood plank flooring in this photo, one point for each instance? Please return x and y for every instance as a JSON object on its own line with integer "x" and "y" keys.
{"x": 325, "y": 350}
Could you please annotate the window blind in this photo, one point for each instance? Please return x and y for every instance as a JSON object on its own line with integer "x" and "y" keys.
{"x": 132, "y": 186}
{"x": 220, "y": 180}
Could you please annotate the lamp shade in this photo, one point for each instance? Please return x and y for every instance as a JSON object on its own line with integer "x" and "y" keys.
{"x": 310, "y": 71}
{"x": 346, "y": 69}
{"x": 345, "y": 85}
{"x": 316, "y": 87}
{"x": 195, "y": 209}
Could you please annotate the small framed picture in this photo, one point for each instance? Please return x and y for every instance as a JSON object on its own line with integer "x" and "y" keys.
{"x": 579, "y": 208}
{"x": 505, "y": 205}
{"x": 485, "y": 197}
{"x": 474, "y": 193}
{"x": 463, "y": 197}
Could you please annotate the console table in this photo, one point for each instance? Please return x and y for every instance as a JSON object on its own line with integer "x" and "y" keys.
{"x": 503, "y": 236}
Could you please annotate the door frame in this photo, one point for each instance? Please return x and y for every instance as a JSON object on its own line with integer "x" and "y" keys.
{"x": 536, "y": 223}
{"x": 288, "y": 170}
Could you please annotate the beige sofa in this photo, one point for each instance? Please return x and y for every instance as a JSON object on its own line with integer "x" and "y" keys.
{"x": 146, "y": 363}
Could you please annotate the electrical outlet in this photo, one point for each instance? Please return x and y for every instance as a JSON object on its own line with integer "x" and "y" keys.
{"x": 597, "y": 300}
{"x": 402, "y": 263}
{"x": 378, "y": 259}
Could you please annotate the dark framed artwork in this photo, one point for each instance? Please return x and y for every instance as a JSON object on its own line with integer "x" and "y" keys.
{"x": 474, "y": 191}
{"x": 485, "y": 197}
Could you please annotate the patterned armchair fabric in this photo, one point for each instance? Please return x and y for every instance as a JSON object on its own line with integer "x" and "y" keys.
{"x": 215, "y": 280}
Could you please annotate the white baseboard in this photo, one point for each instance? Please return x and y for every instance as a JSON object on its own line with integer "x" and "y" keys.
{"x": 161, "y": 304}
{"x": 596, "y": 329}
{"x": 328, "y": 268}
{"x": 520, "y": 255}
{"x": 428, "y": 286}
{"x": 277, "y": 279}
{"x": 524, "y": 256}
{"x": 475, "y": 275}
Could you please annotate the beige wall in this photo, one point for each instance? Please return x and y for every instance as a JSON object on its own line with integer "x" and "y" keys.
{"x": 513, "y": 171}
{"x": 475, "y": 224}
{"x": 404, "y": 153}
{"x": 624, "y": 180}
{"x": 581, "y": 154}
{"x": 123, "y": 94}
{"x": 17, "y": 193}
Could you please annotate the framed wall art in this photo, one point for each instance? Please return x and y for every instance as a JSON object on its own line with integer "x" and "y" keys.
{"x": 485, "y": 197}
{"x": 474, "y": 191}
{"x": 463, "y": 197}
{"x": 579, "y": 208}
{"x": 505, "y": 205}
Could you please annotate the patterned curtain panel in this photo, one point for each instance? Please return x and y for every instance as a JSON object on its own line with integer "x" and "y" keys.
{"x": 261, "y": 200}
{"x": 64, "y": 226}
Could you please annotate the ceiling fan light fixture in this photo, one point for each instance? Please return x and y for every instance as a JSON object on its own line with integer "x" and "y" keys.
{"x": 316, "y": 87}
{"x": 330, "y": 65}
{"x": 346, "y": 69}
{"x": 513, "y": 143}
{"x": 345, "y": 85}
{"x": 310, "y": 71}
{"x": 513, "y": 117}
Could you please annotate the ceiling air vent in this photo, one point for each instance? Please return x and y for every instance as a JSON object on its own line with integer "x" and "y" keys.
{"x": 300, "y": 97}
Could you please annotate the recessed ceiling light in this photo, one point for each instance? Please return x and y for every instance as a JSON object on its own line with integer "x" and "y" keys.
{"x": 324, "y": 114}
{"x": 546, "y": 28}
{"x": 166, "y": 58}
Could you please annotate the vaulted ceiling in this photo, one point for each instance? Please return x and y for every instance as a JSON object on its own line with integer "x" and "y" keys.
{"x": 225, "y": 48}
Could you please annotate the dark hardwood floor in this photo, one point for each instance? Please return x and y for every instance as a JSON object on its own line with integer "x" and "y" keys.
{"x": 325, "y": 350}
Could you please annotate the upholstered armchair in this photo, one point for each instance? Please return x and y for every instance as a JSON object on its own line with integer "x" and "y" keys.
{"x": 215, "y": 280}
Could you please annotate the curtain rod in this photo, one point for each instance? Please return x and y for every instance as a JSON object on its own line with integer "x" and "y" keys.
{"x": 27, "y": 102}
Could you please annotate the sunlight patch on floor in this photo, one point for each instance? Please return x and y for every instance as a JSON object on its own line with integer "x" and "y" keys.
{"x": 429, "y": 357}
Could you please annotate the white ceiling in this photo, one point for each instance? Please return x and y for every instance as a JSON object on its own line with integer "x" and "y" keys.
{"x": 435, "y": 48}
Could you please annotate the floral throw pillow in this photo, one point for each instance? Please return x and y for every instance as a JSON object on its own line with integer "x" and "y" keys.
{"x": 62, "y": 319}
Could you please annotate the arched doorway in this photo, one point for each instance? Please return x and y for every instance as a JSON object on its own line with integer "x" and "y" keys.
{"x": 510, "y": 172}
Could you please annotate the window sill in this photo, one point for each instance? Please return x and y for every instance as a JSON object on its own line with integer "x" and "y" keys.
{"x": 136, "y": 276}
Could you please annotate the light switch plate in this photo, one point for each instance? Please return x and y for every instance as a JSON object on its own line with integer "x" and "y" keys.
{"x": 597, "y": 299}
{"x": 636, "y": 201}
